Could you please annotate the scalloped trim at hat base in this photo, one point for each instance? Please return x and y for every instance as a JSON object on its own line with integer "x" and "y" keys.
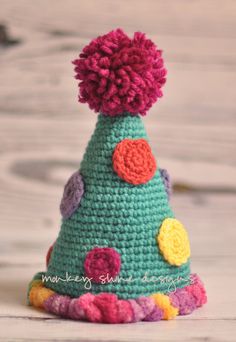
{"x": 108, "y": 308}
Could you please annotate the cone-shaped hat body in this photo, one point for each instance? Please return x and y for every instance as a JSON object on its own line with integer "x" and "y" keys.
{"x": 116, "y": 214}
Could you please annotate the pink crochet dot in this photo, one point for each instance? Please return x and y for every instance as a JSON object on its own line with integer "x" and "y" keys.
{"x": 101, "y": 264}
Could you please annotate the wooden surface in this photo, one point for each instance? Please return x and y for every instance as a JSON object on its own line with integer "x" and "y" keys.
{"x": 44, "y": 132}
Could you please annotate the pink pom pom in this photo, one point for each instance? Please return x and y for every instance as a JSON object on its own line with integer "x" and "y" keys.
{"x": 118, "y": 74}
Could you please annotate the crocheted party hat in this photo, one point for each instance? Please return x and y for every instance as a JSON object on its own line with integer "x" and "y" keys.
{"x": 121, "y": 255}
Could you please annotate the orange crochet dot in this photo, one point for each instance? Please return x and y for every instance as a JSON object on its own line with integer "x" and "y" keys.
{"x": 133, "y": 161}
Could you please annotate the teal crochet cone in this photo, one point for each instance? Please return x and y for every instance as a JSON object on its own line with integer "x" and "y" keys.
{"x": 116, "y": 214}
{"x": 121, "y": 256}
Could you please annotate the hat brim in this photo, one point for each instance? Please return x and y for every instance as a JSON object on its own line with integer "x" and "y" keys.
{"x": 108, "y": 308}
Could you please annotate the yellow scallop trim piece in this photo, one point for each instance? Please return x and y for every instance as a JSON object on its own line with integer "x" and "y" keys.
{"x": 173, "y": 242}
{"x": 163, "y": 302}
{"x": 38, "y": 294}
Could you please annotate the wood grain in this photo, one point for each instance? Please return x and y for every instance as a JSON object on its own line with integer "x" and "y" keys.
{"x": 44, "y": 132}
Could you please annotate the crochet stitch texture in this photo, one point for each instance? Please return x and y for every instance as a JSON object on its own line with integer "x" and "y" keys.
{"x": 116, "y": 214}
{"x": 121, "y": 255}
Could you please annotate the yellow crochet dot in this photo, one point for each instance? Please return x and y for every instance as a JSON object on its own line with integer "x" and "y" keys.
{"x": 38, "y": 295}
{"x": 173, "y": 242}
{"x": 163, "y": 302}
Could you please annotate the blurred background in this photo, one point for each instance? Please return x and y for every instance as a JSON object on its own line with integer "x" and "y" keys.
{"x": 44, "y": 130}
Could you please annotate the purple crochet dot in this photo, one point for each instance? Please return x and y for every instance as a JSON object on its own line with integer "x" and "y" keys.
{"x": 72, "y": 195}
{"x": 166, "y": 180}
